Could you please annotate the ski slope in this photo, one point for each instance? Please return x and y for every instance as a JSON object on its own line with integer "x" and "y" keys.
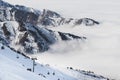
{"x": 13, "y": 66}
{"x": 10, "y": 69}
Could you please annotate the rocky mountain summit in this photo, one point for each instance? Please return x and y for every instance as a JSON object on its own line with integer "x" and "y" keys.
{"x": 25, "y": 29}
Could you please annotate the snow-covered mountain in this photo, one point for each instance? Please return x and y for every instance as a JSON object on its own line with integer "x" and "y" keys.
{"x": 89, "y": 43}
{"x": 44, "y": 17}
{"x": 25, "y": 29}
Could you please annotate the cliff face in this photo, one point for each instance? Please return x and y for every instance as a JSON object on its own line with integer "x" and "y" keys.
{"x": 25, "y": 29}
{"x": 29, "y": 38}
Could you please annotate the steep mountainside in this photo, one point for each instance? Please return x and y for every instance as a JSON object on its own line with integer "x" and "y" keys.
{"x": 25, "y": 29}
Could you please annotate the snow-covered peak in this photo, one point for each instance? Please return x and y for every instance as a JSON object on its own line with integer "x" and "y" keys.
{"x": 42, "y": 17}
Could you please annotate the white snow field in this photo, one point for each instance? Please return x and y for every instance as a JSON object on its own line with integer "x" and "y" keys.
{"x": 10, "y": 69}
{"x": 101, "y": 51}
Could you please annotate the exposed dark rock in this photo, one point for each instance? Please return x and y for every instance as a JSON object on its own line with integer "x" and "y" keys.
{"x": 2, "y": 47}
{"x": 5, "y": 30}
{"x": 63, "y": 36}
{"x": 24, "y": 16}
{"x": 87, "y": 22}
{"x": 49, "y": 13}
{"x": 21, "y": 26}
{"x": 78, "y": 22}
{"x": 68, "y": 36}
{"x": 8, "y": 30}
{"x": 23, "y": 39}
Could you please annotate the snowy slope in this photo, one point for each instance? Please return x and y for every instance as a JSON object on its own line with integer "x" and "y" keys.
{"x": 14, "y": 66}
{"x": 10, "y": 69}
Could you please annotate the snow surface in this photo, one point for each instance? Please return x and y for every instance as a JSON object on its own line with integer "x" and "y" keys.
{"x": 10, "y": 69}
{"x": 101, "y": 52}
{"x": 13, "y": 66}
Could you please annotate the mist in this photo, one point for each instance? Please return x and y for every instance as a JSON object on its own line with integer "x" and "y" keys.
{"x": 99, "y": 53}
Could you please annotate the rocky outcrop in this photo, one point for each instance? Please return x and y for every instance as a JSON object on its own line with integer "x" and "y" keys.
{"x": 51, "y": 18}
{"x": 28, "y": 38}
{"x": 86, "y": 21}
{"x": 68, "y": 36}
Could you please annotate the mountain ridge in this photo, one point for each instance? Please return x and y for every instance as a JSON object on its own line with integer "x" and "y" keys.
{"x": 19, "y": 23}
